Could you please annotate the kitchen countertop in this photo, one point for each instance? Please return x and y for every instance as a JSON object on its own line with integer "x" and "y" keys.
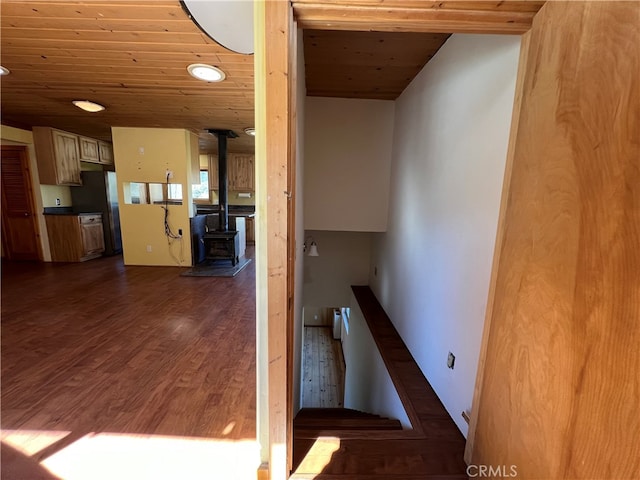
{"x": 66, "y": 211}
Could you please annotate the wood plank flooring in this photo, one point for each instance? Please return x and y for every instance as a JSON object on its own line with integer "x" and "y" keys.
{"x": 100, "y": 347}
{"x": 323, "y": 369}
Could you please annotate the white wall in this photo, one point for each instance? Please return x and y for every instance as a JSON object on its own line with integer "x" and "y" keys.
{"x": 368, "y": 386}
{"x": 347, "y": 161}
{"x": 449, "y": 150}
{"x": 343, "y": 261}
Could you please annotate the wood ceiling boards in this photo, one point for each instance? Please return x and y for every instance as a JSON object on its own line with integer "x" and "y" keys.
{"x": 374, "y": 48}
{"x": 377, "y": 65}
{"x": 130, "y": 56}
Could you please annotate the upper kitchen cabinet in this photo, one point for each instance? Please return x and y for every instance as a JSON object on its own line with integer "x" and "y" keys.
{"x": 241, "y": 171}
{"x": 213, "y": 172}
{"x": 58, "y": 156}
{"x": 105, "y": 151}
{"x": 89, "y": 150}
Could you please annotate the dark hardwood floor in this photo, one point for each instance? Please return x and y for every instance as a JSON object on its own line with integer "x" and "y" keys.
{"x": 100, "y": 347}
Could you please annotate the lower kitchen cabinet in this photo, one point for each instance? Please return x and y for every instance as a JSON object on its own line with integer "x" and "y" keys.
{"x": 251, "y": 238}
{"x": 75, "y": 238}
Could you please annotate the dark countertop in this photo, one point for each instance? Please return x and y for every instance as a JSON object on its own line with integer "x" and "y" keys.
{"x": 66, "y": 211}
{"x": 234, "y": 210}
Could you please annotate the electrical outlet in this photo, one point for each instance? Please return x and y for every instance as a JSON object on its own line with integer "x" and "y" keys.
{"x": 168, "y": 174}
{"x": 451, "y": 360}
{"x": 140, "y": 150}
{"x": 57, "y": 201}
{"x": 149, "y": 249}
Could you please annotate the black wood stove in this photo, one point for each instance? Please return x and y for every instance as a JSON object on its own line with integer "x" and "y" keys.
{"x": 222, "y": 243}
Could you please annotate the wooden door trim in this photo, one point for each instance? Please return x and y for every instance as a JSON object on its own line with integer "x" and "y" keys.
{"x": 26, "y": 167}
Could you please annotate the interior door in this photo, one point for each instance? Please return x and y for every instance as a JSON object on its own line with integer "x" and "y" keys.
{"x": 20, "y": 235}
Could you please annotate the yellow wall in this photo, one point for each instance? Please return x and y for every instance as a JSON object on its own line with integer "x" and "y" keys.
{"x": 16, "y": 136}
{"x": 144, "y": 155}
{"x": 52, "y": 192}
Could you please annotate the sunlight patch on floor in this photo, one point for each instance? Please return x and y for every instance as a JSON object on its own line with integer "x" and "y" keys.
{"x": 319, "y": 455}
{"x": 31, "y": 442}
{"x": 102, "y": 456}
{"x": 111, "y": 455}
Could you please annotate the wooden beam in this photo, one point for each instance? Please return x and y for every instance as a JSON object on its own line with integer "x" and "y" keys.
{"x": 393, "y": 18}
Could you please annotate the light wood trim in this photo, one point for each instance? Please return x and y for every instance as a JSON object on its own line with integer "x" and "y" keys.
{"x": 273, "y": 140}
{"x": 491, "y": 5}
{"x": 291, "y": 226}
{"x": 383, "y": 17}
{"x": 263, "y": 471}
{"x": 506, "y": 186}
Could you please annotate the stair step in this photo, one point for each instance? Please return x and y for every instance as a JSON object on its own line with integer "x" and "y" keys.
{"x": 376, "y": 458}
{"x": 347, "y": 424}
{"x": 333, "y": 413}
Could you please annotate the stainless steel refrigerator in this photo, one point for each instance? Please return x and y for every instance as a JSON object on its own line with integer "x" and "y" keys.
{"x": 99, "y": 193}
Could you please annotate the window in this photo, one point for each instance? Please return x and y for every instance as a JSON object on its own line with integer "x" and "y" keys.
{"x": 139, "y": 193}
{"x": 201, "y": 191}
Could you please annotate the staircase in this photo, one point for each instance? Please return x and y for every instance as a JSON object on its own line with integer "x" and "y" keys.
{"x": 312, "y": 423}
{"x": 332, "y": 443}
{"x": 345, "y": 444}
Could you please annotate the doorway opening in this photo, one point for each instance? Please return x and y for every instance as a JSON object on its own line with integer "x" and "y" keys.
{"x": 323, "y": 365}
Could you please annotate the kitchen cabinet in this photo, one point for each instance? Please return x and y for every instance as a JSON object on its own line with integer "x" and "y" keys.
{"x": 75, "y": 237}
{"x": 92, "y": 234}
{"x": 105, "y": 151}
{"x": 89, "y": 150}
{"x": 213, "y": 172}
{"x": 241, "y": 171}
{"x": 58, "y": 156}
{"x": 250, "y": 230}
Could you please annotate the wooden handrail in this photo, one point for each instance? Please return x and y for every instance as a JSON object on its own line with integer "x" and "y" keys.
{"x": 422, "y": 405}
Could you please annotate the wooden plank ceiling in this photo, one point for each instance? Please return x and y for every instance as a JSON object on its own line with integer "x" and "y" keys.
{"x": 376, "y": 65}
{"x": 374, "y": 48}
{"x": 130, "y": 56}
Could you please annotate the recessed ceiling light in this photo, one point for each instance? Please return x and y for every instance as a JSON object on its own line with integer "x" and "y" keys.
{"x": 4, "y": 70}
{"x": 250, "y": 131}
{"x": 206, "y": 73}
{"x": 88, "y": 106}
